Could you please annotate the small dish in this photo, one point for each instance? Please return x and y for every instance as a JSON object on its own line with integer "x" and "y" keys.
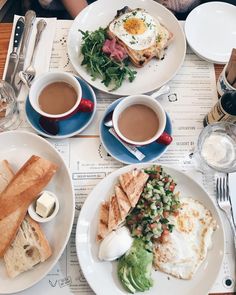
{"x": 70, "y": 126}
{"x": 210, "y": 31}
{"x": 37, "y": 217}
{"x": 114, "y": 148}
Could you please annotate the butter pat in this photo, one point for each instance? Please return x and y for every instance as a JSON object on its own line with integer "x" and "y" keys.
{"x": 45, "y": 204}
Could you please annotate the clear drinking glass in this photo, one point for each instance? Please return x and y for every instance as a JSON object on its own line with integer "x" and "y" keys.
{"x": 216, "y": 148}
{"x": 9, "y": 113}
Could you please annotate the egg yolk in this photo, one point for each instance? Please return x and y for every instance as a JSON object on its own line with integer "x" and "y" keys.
{"x": 135, "y": 26}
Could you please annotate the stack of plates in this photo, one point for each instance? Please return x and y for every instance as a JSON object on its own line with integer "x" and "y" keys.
{"x": 210, "y": 30}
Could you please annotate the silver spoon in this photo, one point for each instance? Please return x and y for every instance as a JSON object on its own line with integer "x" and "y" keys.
{"x": 107, "y": 121}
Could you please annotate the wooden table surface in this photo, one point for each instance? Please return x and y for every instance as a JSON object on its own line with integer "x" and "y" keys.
{"x": 5, "y": 33}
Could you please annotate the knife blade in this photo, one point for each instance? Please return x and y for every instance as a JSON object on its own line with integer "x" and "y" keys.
{"x": 13, "y": 55}
{"x": 29, "y": 21}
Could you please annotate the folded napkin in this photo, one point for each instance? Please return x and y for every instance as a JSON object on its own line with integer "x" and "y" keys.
{"x": 43, "y": 54}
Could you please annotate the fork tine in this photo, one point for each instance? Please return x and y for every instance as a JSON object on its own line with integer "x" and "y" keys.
{"x": 31, "y": 78}
{"x": 227, "y": 186}
{"x": 220, "y": 190}
{"x": 217, "y": 189}
{"x": 223, "y": 189}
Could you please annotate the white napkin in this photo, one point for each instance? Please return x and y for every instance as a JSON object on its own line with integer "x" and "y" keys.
{"x": 43, "y": 54}
{"x": 232, "y": 190}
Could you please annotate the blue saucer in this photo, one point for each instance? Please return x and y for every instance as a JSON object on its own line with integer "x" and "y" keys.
{"x": 120, "y": 153}
{"x": 68, "y": 127}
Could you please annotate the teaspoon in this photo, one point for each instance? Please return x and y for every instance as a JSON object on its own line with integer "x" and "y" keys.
{"x": 50, "y": 126}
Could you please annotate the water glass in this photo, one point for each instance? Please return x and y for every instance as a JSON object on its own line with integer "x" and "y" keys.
{"x": 9, "y": 112}
{"x": 216, "y": 148}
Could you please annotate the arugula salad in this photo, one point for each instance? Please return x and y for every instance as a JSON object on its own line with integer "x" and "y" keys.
{"x": 112, "y": 72}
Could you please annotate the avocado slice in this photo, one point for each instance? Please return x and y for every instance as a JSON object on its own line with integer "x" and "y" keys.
{"x": 133, "y": 282}
{"x": 122, "y": 274}
{"x": 142, "y": 280}
{"x": 134, "y": 268}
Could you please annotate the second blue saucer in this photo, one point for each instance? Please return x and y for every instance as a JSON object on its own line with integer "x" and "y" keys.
{"x": 119, "y": 152}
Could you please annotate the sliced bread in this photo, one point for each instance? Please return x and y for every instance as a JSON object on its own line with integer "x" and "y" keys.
{"x": 123, "y": 202}
{"x": 132, "y": 184}
{"x": 28, "y": 249}
{"x": 114, "y": 214}
{"x": 103, "y": 221}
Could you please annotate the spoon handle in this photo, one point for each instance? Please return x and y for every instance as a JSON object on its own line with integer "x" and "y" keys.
{"x": 163, "y": 90}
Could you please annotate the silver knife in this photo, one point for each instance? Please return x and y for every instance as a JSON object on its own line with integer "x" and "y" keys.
{"x": 29, "y": 21}
{"x": 13, "y": 58}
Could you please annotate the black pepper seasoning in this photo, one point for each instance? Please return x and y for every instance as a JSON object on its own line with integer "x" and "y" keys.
{"x": 223, "y": 110}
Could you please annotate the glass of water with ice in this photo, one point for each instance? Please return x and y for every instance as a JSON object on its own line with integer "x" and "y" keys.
{"x": 216, "y": 147}
{"x": 9, "y": 113}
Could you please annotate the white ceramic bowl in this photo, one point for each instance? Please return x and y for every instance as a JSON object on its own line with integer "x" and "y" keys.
{"x": 48, "y": 78}
{"x": 38, "y": 218}
{"x": 144, "y": 100}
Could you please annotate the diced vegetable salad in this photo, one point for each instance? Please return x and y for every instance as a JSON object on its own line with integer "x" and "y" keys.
{"x": 149, "y": 220}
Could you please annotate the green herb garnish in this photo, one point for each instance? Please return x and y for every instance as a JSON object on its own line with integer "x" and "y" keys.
{"x": 99, "y": 65}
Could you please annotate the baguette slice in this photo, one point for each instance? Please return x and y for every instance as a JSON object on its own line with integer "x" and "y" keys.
{"x": 19, "y": 193}
{"x": 28, "y": 249}
{"x": 6, "y": 174}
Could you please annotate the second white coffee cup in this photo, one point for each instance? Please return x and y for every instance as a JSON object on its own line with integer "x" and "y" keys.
{"x": 145, "y": 104}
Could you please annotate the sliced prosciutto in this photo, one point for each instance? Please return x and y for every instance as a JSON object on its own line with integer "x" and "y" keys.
{"x": 114, "y": 50}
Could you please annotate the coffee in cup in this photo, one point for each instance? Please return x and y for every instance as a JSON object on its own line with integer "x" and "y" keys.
{"x": 139, "y": 120}
{"x": 57, "y": 98}
{"x": 57, "y": 95}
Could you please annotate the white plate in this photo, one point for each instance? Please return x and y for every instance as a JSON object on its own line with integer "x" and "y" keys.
{"x": 17, "y": 147}
{"x": 102, "y": 276}
{"x": 210, "y": 31}
{"x": 153, "y": 75}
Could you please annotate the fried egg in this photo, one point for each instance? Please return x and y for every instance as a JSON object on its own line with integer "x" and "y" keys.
{"x": 188, "y": 243}
{"x": 137, "y": 29}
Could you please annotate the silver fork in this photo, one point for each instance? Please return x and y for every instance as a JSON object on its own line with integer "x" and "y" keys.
{"x": 224, "y": 202}
{"x": 29, "y": 73}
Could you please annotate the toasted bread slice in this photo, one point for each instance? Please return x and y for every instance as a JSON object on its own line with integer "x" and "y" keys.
{"x": 133, "y": 183}
{"x": 123, "y": 202}
{"x": 28, "y": 249}
{"x": 19, "y": 193}
{"x": 114, "y": 214}
{"x": 141, "y": 57}
{"x": 103, "y": 221}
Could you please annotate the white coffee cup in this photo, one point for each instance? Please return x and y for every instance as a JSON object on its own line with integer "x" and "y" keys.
{"x": 48, "y": 78}
{"x": 143, "y": 100}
